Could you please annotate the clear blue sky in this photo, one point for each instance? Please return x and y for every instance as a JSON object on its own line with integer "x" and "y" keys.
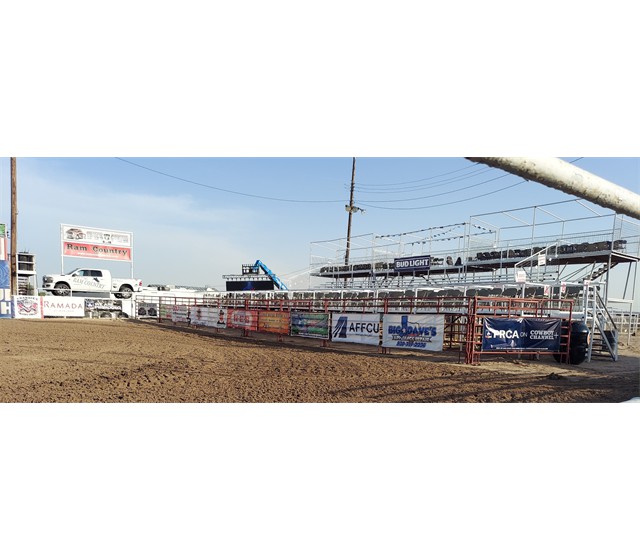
{"x": 214, "y": 214}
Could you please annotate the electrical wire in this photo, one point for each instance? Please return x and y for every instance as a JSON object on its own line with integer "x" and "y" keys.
{"x": 443, "y": 193}
{"x": 365, "y": 204}
{"x": 416, "y": 180}
{"x": 424, "y": 186}
{"x": 227, "y": 190}
{"x": 446, "y": 203}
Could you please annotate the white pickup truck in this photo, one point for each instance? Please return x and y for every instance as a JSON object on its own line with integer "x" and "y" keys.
{"x": 90, "y": 280}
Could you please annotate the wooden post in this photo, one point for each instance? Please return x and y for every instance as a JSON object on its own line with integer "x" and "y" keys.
{"x": 13, "y": 262}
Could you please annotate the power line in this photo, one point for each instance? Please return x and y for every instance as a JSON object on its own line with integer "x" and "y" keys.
{"x": 416, "y": 180}
{"x": 426, "y": 186}
{"x": 444, "y": 193}
{"x": 454, "y": 201}
{"x": 446, "y": 203}
{"x": 226, "y": 190}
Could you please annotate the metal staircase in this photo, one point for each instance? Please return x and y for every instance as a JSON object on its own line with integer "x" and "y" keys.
{"x": 604, "y": 331}
{"x": 596, "y": 273}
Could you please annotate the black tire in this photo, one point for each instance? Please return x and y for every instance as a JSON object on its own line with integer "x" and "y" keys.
{"x": 577, "y": 355}
{"x": 62, "y": 289}
{"x": 142, "y": 311}
{"x": 152, "y": 312}
{"x": 125, "y": 292}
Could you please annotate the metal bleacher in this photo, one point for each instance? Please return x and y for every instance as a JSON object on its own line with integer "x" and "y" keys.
{"x": 564, "y": 243}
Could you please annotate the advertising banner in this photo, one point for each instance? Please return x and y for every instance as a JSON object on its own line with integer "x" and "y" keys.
{"x": 180, "y": 314}
{"x": 521, "y": 334}
{"x": 147, "y": 310}
{"x": 94, "y": 243}
{"x": 55, "y": 306}
{"x": 361, "y": 328}
{"x": 204, "y": 316}
{"x": 5, "y": 280}
{"x": 92, "y": 251}
{"x": 274, "y": 322}
{"x": 415, "y": 332}
{"x": 242, "y": 319}
{"x": 3, "y": 243}
{"x": 221, "y": 321}
{"x": 6, "y": 311}
{"x": 310, "y": 325}
{"x": 28, "y": 307}
{"x": 412, "y": 263}
{"x": 102, "y": 308}
{"x": 165, "y": 310}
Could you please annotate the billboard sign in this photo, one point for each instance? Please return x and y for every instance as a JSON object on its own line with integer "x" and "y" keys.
{"x": 94, "y": 243}
{"x": 412, "y": 264}
{"x": 310, "y": 325}
{"x": 414, "y": 332}
{"x": 521, "y": 334}
{"x": 361, "y": 328}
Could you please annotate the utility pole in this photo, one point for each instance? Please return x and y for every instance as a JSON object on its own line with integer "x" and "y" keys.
{"x": 13, "y": 261}
{"x": 351, "y": 209}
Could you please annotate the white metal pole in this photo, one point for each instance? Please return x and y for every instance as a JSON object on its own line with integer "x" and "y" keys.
{"x": 558, "y": 174}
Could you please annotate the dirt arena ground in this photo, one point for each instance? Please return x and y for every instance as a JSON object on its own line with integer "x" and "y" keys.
{"x": 85, "y": 360}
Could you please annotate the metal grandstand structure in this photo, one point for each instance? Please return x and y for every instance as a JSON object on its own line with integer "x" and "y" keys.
{"x": 549, "y": 250}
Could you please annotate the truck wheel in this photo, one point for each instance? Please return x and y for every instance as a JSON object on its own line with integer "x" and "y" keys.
{"x": 62, "y": 289}
{"x": 125, "y": 292}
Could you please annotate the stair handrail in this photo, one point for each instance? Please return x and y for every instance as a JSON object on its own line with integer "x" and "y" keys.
{"x": 599, "y": 309}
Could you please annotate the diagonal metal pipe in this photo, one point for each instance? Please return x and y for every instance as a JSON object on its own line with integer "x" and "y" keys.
{"x": 558, "y": 174}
